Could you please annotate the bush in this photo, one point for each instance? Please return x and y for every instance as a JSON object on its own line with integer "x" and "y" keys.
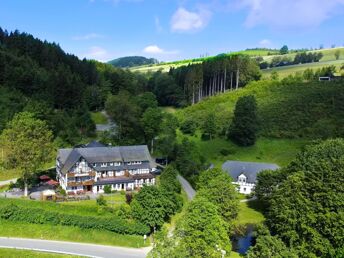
{"x": 101, "y": 201}
{"x": 128, "y": 197}
{"x": 107, "y": 189}
{"x": 226, "y": 152}
{"x": 40, "y": 216}
{"x": 189, "y": 126}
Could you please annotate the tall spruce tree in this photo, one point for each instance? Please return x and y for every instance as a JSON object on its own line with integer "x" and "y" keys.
{"x": 244, "y": 127}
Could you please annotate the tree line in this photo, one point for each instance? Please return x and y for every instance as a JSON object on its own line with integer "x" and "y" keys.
{"x": 304, "y": 205}
{"x": 216, "y": 75}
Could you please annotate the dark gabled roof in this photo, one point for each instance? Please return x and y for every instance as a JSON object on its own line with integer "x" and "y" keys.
{"x": 134, "y": 153}
{"x": 68, "y": 157}
{"x": 249, "y": 169}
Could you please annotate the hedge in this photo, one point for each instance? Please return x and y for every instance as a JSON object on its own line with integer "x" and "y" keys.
{"x": 40, "y": 216}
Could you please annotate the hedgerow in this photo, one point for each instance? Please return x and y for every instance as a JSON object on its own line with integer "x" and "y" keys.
{"x": 40, "y": 216}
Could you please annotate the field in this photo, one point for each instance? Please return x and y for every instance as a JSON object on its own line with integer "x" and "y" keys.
{"x": 328, "y": 56}
{"x": 68, "y": 233}
{"x": 17, "y": 253}
{"x": 284, "y": 71}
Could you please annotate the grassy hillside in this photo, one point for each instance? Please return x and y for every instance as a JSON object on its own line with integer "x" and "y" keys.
{"x": 266, "y": 54}
{"x": 285, "y": 109}
{"x": 284, "y": 71}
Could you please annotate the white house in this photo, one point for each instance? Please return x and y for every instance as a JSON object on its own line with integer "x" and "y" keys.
{"x": 244, "y": 174}
{"x": 89, "y": 168}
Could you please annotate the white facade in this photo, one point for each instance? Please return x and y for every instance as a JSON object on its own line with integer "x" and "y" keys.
{"x": 243, "y": 186}
{"x": 82, "y": 176}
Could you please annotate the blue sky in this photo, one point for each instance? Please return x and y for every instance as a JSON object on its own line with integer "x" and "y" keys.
{"x": 175, "y": 29}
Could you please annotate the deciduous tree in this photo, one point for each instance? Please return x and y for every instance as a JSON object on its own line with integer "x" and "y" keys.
{"x": 28, "y": 144}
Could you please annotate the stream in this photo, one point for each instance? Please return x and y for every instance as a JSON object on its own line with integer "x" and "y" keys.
{"x": 242, "y": 242}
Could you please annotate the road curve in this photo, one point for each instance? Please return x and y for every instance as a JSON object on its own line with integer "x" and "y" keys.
{"x": 190, "y": 192}
{"x": 81, "y": 249}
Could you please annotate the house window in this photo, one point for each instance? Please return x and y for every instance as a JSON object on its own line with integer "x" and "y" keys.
{"x": 103, "y": 165}
{"x": 111, "y": 164}
{"x": 117, "y": 163}
{"x": 244, "y": 189}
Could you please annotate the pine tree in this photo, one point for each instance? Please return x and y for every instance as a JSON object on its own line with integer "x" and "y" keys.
{"x": 244, "y": 126}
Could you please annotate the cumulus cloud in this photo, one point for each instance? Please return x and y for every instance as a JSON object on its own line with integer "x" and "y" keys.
{"x": 265, "y": 43}
{"x": 97, "y": 53}
{"x": 153, "y": 49}
{"x": 184, "y": 20}
{"x": 156, "y": 51}
{"x": 291, "y": 13}
{"x": 88, "y": 36}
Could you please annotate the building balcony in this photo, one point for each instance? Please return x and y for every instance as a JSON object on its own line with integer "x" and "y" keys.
{"x": 92, "y": 174}
{"x": 81, "y": 183}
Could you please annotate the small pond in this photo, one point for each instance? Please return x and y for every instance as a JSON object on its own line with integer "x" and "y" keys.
{"x": 242, "y": 242}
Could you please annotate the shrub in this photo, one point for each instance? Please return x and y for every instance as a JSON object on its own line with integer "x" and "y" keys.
{"x": 107, "y": 189}
{"x": 128, "y": 197}
{"x": 40, "y": 216}
{"x": 189, "y": 126}
{"x": 101, "y": 201}
{"x": 227, "y": 151}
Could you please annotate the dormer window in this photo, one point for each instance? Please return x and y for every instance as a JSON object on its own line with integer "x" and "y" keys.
{"x": 103, "y": 165}
{"x": 242, "y": 178}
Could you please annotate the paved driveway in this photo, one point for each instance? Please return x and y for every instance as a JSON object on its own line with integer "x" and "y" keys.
{"x": 88, "y": 250}
{"x": 190, "y": 192}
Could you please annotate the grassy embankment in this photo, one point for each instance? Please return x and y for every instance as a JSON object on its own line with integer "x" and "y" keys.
{"x": 17, "y": 253}
{"x": 68, "y": 233}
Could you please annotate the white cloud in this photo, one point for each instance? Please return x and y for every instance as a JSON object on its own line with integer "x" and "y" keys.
{"x": 153, "y": 49}
{"x": 265, "y": 43}
{"x": 289, "y": 14}
{"x": 97, "y": 53}
{"x": 88, "y": 36}
{"x": 184, "y": 20}
{"x": 158, "y": 25}
{"x": 157, "y": 51}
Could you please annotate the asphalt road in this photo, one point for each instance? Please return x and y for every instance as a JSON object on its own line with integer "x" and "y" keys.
{"x": 190, "y": 192}
{"x": 88, "y": 250}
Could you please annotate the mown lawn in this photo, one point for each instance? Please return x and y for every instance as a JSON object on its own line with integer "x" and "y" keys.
{"x": 65, "y": 233}
{"x": 6, "y": 174}
{"x": 112, "y": 200}
{"x": 279, "y": 151}
{"x": 235, "y": 255}
{"x": 87, "y": 207}
{"x": 98, "y": 118}
{"x": 250, "y": 213}
{"x": 16, "y": 253}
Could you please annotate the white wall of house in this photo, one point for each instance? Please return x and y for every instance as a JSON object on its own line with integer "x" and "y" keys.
{"x": 244, "y": 188}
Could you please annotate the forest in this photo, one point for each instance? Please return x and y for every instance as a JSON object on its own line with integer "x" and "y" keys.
{"x": 130, "y": 61}
{"x": 39, "y": 77}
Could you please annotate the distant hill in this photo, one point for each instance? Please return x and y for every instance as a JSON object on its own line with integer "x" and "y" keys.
{"x": 131, "y": 61}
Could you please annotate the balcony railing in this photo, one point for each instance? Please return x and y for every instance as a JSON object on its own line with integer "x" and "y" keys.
{"x": 81, "y": 183}
{"x": 81, "y": 174}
